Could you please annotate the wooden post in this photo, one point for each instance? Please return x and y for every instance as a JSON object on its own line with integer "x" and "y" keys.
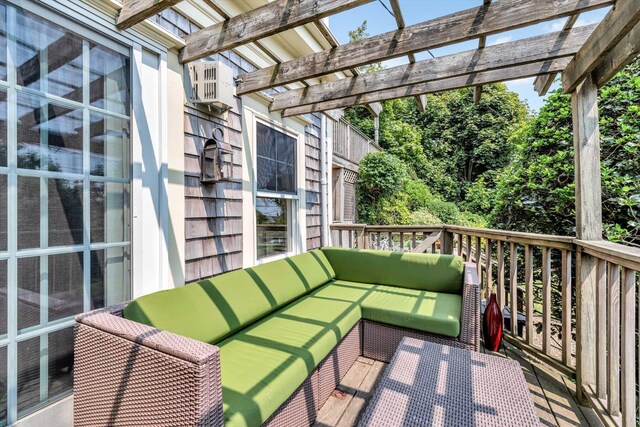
{"x": 447, "y": 242}
{"x": 586, "y": 141}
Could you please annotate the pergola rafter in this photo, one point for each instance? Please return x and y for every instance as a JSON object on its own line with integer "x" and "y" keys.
{"x": 462, "y": 26}
{"x": 541, "y": 48}
{"x": 265, "y": 21}
{"x": 543, "y": 83}
{"x": 421, "y": 89}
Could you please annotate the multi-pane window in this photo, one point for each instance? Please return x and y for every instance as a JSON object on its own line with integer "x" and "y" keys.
{"x": 64, "y": 199}
{"x": 276, "y": 184}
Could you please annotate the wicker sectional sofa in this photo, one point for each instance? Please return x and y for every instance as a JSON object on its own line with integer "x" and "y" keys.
{"x": 265, "y": 345}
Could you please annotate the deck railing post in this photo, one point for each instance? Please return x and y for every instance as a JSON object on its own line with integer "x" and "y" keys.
{"x": 447, "y": 242}
{"x": 586, "y": 140}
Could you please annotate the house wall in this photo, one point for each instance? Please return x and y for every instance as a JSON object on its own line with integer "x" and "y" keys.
{"x": 213, "y": 213}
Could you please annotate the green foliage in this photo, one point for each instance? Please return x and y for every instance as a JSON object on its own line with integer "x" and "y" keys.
{"x": 536, "y": 191}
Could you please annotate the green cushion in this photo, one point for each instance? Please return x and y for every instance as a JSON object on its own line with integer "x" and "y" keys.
{"x": 265, "y": 363}
{"x": 429, "y": 272}
{"x": 433, "y": 312}
{"x": 213, "y": 309}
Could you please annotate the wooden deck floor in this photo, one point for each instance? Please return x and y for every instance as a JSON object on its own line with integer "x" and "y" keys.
{"x": 553, "y": 393}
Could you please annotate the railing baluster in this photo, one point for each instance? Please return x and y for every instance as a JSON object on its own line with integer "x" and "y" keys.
{"x": 489, "y": 266}
{"x": 513, "y": 288}
{"x": 459, "y": 236}
{"x": 390, "y": 234}
{"x": 613, "y": 339}
{"x": 546, "y": 300}
{"x": 413, "y": 240}
{"x": 500, "y": 278}
{"x": 340, "y": 238}
{"x": 401, "y": 241}
{"x": 601, "y": 329}
{"x": 628, "y": 350}
{"x": 467, "y": 250}
{"x": 350, "y": 239}
{"x": 479, "y": 262}
{"x": 528, "y": 282}
{"x": 378, "y": 242}
{"x": 566, "y": 307}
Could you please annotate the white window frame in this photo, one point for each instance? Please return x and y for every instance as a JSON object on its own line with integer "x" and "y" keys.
{"x": 256, "y": 109}
{"x": 293, "y": 200}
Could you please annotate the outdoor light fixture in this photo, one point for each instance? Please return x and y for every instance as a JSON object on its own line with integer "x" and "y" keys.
{"x": 216, "y": 162}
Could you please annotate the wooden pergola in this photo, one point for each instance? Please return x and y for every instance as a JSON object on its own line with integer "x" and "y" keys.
{"x": 586, "y": 57}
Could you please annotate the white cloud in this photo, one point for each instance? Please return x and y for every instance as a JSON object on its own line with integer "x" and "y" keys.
{"x": 521, "y": 82}
{"x": 500, "y": 40}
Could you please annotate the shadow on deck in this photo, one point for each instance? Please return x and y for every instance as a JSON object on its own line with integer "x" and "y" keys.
{"x": 553, "y": 393}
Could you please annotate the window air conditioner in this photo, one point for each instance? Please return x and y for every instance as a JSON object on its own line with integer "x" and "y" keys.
{"x": 212, "y": 84}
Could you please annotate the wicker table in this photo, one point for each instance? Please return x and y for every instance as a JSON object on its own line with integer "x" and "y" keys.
{"x": 428, "y": 384}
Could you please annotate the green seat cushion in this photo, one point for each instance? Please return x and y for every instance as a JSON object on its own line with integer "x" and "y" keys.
{"x": 213, "y": 309}
{"x": 433, "y": 312}
{"x": 429, "y": 272}
{"x": 265, "y": 363}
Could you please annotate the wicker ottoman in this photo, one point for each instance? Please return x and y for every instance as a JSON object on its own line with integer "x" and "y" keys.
{"x": 428, "y": 384}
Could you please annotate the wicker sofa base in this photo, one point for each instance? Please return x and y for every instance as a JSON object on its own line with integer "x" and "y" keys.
{"x": 303, "y": 405}
{"x": 380, "y": 341}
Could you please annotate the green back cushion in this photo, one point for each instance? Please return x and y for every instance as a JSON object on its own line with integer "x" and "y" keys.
{"x": 429, "y": 272}
{"x": 212, "y": 309}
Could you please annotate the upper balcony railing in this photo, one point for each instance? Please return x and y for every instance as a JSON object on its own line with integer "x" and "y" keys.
{"x": 351, "y": 144}
{"x": 533, "y": 276}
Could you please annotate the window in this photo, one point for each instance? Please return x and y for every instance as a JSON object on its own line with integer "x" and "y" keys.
{"x": 64, "y": 199}
{"x": 277, "y": 194}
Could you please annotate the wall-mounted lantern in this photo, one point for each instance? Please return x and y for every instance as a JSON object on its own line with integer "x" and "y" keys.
{"x": 216, "y": 161}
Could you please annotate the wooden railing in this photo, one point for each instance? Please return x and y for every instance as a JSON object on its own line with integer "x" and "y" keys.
{"x": 351, "y": 144}
{"x": 534, "y": 277}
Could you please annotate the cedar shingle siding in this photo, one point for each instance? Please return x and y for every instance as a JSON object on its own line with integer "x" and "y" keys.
{"x": 213, "y": 212}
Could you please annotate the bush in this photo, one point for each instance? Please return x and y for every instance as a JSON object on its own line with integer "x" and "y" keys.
{"x": 447, "y": 211}
{"x": 424, "y": 217}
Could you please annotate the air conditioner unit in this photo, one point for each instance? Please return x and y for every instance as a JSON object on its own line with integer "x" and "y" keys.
{"x": 212, "y": 84}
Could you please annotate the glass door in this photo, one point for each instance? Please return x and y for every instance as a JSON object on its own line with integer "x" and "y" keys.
{"x": 64, "y": 198}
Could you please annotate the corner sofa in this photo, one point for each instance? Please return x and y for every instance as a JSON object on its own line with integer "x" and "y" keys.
{"x": 265, "y": 345}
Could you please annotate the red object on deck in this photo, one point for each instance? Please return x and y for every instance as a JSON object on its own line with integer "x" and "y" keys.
{"x": 492, "y": 325}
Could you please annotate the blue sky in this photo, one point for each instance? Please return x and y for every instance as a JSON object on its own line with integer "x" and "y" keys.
{"x": 414, "y": 11}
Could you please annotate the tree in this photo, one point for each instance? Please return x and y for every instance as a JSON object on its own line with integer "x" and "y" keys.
{"x": 536, "y": 192}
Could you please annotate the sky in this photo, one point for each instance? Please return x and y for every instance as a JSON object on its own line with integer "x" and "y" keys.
{"x": 379, "y": 21}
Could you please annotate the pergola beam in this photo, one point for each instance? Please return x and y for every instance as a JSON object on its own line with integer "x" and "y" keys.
{"x": 486, "y": 77}
{"x": 535, "y": 49}
{"x": 543, "y": 83}
{"x": 619, "y": 57}
{"x": 482, "y": 42}
{"x": 265, "y": 21}
{"x": 397, "y": 14}
{"x": 135, "y": 11}
{"x": 472, "y": 23}
{"x": 614, "y": 27}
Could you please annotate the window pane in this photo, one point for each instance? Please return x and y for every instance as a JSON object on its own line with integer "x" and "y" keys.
{"x": 3, "y": 212}
{"x": 3, "y": 43}
{"x": 272, "y": 227}
{"x": 286, "y": 148}
{"x": 286, "y": 178}
{"x": 65, "y": 285}
{"x": 28, "y": 292}
{"x": 28, "y": 373}
{"x": 3, "y": 303}
{"x": 265, "y": 141}
{"x": 109, "y": 277}
{"x": 267, "y": 174}
{"x": 49, "y": 135}
{"x": 108, "y": 201}
{"x": 109, "y": 146}
{"x": 60, "y": 363}
{"x": 109, "y": 87}
{"x": 28, "y": 212}
{"x": 65, "y": 212}
{"x": 49, "y": 58}
{"x": 3, "y": 127}
{"x": 275, "y": 160}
